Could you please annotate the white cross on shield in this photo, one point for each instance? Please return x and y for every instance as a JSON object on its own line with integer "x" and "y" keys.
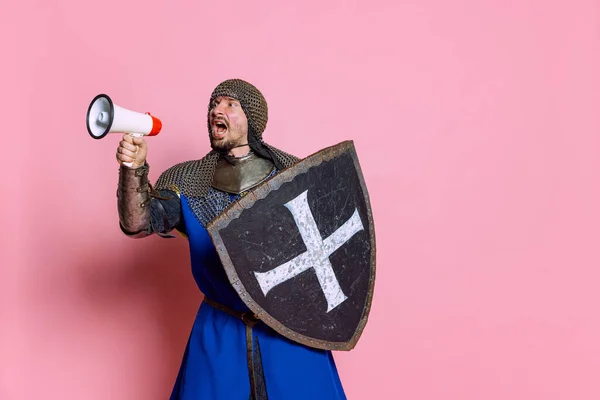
{"x": 316, "y": 255}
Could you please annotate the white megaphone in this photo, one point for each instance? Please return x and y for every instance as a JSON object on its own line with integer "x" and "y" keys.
{"x": 104, "y": 117}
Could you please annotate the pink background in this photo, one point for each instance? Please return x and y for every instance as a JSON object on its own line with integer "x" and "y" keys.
{"x": 477, "y": 128}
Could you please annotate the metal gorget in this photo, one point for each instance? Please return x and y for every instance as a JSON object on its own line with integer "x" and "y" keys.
{"x": 239, "y": 174}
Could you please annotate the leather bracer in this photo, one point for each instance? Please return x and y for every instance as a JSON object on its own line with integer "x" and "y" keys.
{"x": 133, "y": 201}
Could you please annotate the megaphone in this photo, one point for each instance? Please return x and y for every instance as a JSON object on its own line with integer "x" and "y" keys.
{"x": 104, "y": 117}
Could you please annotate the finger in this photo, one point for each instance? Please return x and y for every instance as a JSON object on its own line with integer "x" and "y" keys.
{"x": 124, "y": 158}
{"x": 138, "y": 140}
{"x": 128, "y": 138}
{"x": 128, "y": 146}
{"x": 126, "y": 152}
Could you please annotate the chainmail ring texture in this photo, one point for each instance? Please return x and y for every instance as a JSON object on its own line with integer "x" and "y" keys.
{"x": 251, "y": 99}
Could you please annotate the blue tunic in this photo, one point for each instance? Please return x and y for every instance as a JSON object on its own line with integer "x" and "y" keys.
{"x": 214, "y": 365}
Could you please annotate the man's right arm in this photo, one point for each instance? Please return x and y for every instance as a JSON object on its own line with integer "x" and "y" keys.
{"x": 133, "y": 201}
{"x": 142, "y": 210}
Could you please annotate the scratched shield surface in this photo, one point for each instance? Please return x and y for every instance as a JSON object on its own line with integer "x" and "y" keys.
{"x": 300, "y": 249}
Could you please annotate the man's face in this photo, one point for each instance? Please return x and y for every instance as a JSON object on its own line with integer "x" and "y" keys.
{"x": 228, "y": 124}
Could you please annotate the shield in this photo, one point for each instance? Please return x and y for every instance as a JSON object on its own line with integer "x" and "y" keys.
{"x": 299, "y": 249}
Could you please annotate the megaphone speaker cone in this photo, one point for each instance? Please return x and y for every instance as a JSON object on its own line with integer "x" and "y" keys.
{"x": 100, "y": 116}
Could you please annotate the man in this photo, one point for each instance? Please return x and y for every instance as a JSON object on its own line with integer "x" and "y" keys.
{"x": 230, "y": 354}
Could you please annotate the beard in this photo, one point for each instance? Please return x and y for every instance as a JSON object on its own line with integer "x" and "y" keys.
{"x": 222, "y": 145}
{"x": 225, "y": 144}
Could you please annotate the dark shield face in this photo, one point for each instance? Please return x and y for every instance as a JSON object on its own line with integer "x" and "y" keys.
{"x": 300, "y": 250}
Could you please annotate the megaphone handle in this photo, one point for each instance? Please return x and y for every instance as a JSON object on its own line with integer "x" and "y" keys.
{"x": 134, "y": 134}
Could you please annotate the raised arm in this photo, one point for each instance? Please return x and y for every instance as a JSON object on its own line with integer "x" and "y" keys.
{"x": 142, "y": 210}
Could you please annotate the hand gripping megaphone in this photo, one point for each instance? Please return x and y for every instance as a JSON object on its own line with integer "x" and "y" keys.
{"x": 104, "y": 117}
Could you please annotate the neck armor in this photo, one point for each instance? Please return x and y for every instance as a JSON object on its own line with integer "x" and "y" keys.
{"x": 239, "y": 174}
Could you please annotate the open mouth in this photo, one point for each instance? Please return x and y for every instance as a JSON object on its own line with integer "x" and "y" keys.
{"x": 219, "y": 128}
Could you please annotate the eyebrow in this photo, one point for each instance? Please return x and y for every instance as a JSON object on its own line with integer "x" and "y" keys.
{"x": 226, "y": 98}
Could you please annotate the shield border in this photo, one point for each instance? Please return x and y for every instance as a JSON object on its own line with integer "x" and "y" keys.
{"x": 260, "y": 192}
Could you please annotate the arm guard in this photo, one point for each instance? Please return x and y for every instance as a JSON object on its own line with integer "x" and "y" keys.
{"x": 165, "y": 213}
{"x": 133, "y": 199}
{"x": 143, "y": 210}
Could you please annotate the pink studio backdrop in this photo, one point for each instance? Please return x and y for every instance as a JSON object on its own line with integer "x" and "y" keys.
{"x": 477, "y": 127}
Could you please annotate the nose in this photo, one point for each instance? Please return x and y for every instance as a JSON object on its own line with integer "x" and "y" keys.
{"x": 217, "y": 110}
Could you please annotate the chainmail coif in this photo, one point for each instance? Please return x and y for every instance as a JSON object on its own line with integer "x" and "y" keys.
{"x": 251, "y": 99}
{"x": 193, "y": 178}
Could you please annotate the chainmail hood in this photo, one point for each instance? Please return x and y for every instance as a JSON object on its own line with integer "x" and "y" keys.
{"x": 252, "y": 101}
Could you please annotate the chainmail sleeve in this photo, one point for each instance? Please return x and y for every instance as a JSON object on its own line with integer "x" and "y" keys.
{"x": 190, "y": 178}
